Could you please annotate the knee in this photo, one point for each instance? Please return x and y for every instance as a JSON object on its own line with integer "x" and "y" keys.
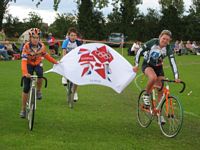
{"x": 153, "y": 78}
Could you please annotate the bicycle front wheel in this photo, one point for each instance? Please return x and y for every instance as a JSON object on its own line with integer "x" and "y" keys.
{"x": 172, "y": 113}
{"x": 144, "y": 115}
{"x": 31, "y": 112}
{"x": 70, "y": 94}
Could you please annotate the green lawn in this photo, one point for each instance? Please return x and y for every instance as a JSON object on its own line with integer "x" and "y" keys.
{"x": 101, "y": 120}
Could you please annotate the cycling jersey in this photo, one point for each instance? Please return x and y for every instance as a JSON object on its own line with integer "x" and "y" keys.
{"x": 32, "y": 55}
{"x": 154, "y": 55}
{"x": 69, "y": 45}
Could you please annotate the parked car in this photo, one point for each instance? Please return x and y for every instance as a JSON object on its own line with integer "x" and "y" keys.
{"x": 116, "y": 39}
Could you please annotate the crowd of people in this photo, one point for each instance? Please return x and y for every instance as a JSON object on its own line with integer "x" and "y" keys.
{"x": 179, "y": 48}
{"x": 190, "y": 47}
{"x": 8, "y": 50}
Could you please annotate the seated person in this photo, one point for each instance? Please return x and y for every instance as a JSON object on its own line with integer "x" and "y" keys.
{"x": 9, "y": 48}
{"x": 3, "y": 52}
{"x": 53, "y": 44}
{"x": 195, "y": 47}
{"x": 176, "y": 48}
{"x": 189, "y": 47}
{"x": 182, "y": 48}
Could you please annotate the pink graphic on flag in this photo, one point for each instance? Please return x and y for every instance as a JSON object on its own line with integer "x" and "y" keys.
{"x": 98, "y": 60}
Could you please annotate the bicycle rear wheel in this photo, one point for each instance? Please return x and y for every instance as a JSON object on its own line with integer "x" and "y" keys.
{"x": 70, "y": 94}
{"x": 31, "y": 112}
{"x": 144, "y": 116}
{"x": 172, "y": 113}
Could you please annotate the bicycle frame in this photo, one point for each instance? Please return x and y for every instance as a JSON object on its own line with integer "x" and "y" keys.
{"x": 157, "y": 106}
{"x": 165, "y": 96}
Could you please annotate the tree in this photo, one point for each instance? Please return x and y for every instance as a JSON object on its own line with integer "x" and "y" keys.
{"x": 152, "y": 20}
{"x": 61, "y": 24}
{"x": 123, "y": 17}
{"x": 170, "y": 20}
{"x": 191, "y": 22}
{"x": 12, "y": 26}
{"x": 195, "y": 6}
{"x": 3, "y": 7}
{"x": 178, "y": 4}
{"x": 33, "y": 21}
{"x": 113, "y": 22}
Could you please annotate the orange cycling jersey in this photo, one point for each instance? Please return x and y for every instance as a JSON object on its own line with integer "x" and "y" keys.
{"x": 33, "y": 55}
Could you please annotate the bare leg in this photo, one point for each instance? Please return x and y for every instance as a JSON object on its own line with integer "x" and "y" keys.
{"x": 24, "y": 100}
{"x": 159, "y": 83}
{"x": 39, "y": 84}
{"x": 152, "y": 78}
{"x": 75, "y": 88}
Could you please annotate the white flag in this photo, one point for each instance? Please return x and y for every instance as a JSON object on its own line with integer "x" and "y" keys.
{"x": 96, "y": 63}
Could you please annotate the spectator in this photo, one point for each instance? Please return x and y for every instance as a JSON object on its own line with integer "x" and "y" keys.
{"x": 135, "y": 47}
{"x": 53, "y": 45}
{"x": 9, "y": 48}
{"x": 3, "y": 52}
{"x": 195, "y": 47}
{"x": 189, "y": 47}
{"x": 177, "y": 50}
{"x": 182, "y": 48}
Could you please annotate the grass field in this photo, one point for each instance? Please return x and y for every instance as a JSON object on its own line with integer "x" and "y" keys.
{"x": 101, "y": 120}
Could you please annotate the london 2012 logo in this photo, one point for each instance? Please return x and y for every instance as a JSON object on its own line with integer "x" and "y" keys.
{"x": 97, "y": 60}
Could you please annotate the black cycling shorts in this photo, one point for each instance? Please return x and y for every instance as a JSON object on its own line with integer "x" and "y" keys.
{"x": 31, "y": 69}
{"x": 157, "y": 69}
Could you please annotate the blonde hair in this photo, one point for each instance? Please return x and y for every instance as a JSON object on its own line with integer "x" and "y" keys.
{"x": 165, "y": 32}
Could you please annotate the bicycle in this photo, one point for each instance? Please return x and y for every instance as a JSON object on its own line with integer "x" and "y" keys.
{"x": 168, "y": 108}
{"x": 70, "y": 93}
{"x": 31, "y": 103}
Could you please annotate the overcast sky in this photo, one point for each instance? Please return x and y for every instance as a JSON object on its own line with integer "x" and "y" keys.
{"x": 21, "y": 8}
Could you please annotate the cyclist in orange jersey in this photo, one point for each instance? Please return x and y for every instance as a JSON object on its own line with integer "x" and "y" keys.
{"x": 32, "y": 54}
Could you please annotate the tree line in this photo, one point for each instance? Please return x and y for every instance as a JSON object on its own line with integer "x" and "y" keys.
{"x": 125, "y": 18}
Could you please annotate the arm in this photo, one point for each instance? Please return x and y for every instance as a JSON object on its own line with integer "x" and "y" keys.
{"x": 173, "y": 63}
{"x": 64, "y": 52}
{"x": 24, "y": 63}
{"x": 48, "y": 57}
{"x": 64, "y": 47}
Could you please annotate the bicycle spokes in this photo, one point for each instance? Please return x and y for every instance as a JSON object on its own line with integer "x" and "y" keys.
{"x": 171, "y": 110}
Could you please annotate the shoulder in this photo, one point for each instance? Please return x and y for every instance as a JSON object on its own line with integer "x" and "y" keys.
{"x": 151, "y": 42}
{"x": 26, "y": 46}
{"x": 66, "y": 41}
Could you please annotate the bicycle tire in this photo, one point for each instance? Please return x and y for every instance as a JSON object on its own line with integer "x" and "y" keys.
{"x": 70, "y": 94}
{"x": 169, "y": 129}
{"x": 31, "y": 113}
{"x": 144, "y": 117}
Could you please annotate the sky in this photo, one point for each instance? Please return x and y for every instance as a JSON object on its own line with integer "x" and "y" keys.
{"x": 21, "y": 8}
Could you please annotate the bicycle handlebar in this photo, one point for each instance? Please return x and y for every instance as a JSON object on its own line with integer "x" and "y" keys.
{"x": 22, "y": 79}
{"x": 173, "y": 81}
